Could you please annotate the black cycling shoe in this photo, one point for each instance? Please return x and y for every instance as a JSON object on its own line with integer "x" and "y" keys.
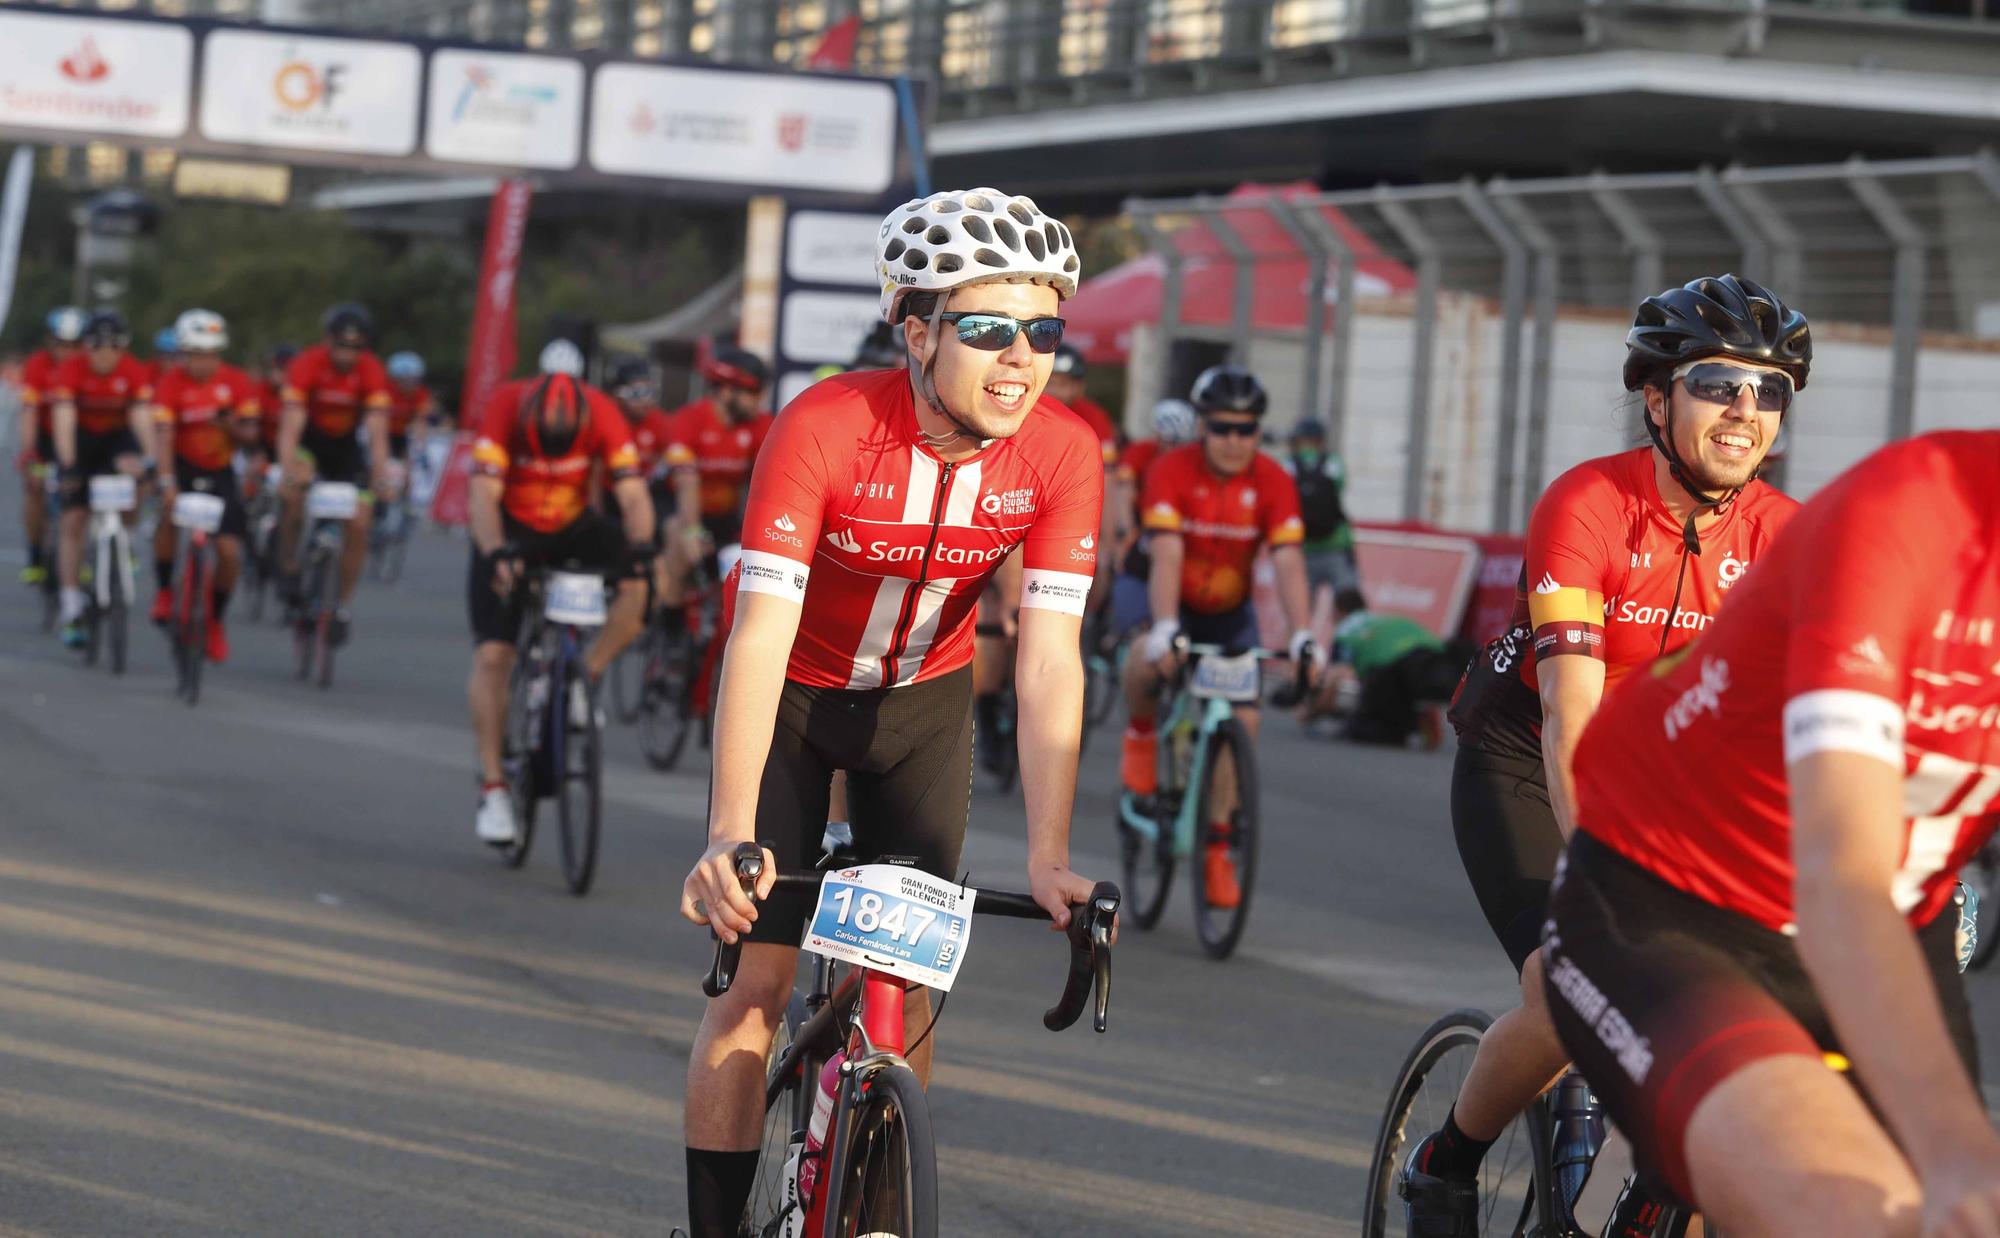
{"x": 1437, "y": 1206}
{"x": 336, "y": 628}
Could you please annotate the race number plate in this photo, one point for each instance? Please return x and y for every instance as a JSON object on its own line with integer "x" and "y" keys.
{"x": 1229, "y": 679}
{"x": 333, "y": 500}
{"x": 199, "y": 513}
{"x": 575, "y": 598}
{"x": 114, "y": 492}
{"x": 896, "y": 920}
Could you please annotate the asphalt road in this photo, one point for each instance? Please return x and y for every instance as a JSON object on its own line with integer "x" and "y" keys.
{"x": 257, "y": 976}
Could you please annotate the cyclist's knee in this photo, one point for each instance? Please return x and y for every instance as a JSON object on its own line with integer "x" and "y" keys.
{"x": 492, "y": 658}
{"x": 762, "y": 986}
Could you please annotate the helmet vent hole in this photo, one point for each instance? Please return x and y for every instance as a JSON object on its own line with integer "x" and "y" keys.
{"x": 915, "y": 224}
{"x": 1070, "y": 265}
{"x": 1035, "y": 246}
{"x": 916, "y": 260}
{"x": 978, "y": 202}
{"x": 1021, "y": 213}
{"x": 947, "y": 207}
{"x": 1008, "y": 236}
{"x": 976, "y": 228}
{"x": 938, "y": 235}
{"x": 986, "y": 257}
{"x": 894, "y": 250}
{"x": 948, "y": 263}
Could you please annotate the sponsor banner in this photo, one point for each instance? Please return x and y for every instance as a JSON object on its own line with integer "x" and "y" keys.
{"x": 1422, "y": 576}
{"x": 489, "y": 357}
{"x": 451, "y": 503}
{"x": 95, "y": 76}
{"x": 1493, "y": 590}
{"x": 816, "y": 134}
{"x": 320, "y": 94}
{"x": 269, "y": 184}
{"x": 13, "y": 216}
{"x": 832, "y": 247}
{"x": 500, "y": 108}
{"x": 826, "y": 326}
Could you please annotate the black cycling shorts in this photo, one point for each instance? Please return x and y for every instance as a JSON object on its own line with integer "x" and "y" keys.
{"x": 97, "y": 455}
{"x": 222, "y": 484}
{"x": 1661, "y": 996}
{"x": 1508, "y": 841}
{"x": 908, "y": 756}
{"x": 590, "y": 543}
{"x": 336, "y": 459}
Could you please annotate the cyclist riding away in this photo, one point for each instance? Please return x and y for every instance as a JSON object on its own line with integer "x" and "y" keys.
{"x": 1769, "y": 829}
{"x": 1175, "y": 423}
{"x": 38, "y": 445}
{"x": 715, "y": 441}
{"x": 1628, "y": 556}
{"x": 166, "y": 351}
{"x": 411, "y": 405}
{"x": 540, "y": 442}
{"x": 203, "y": 410}
{"x": 333, "y": 391}
{"x": 1208, "y": 508}
{"x": 880, "y": 508}
{"x": 100, "y": 400}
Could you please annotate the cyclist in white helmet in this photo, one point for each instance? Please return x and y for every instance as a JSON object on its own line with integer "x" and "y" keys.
{"x": 1174, "y": 423}
{"x": 882, "y": 503}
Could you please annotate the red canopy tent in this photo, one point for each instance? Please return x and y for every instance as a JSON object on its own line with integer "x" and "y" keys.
{"x": 1105, "y": 309}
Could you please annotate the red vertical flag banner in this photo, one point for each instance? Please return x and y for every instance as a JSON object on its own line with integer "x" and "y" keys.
{"x": 489, "y": 359}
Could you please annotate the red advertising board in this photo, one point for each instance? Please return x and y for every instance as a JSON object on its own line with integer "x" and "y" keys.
{"x": 490, "y": 356}
{"x": 450, "y": 504}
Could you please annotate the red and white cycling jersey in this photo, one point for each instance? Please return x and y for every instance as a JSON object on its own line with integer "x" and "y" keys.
{"x": 888, "y": 547}
{"x": 1873, "y": 627}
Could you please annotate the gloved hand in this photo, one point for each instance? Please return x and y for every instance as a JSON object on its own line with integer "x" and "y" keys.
{"x": 1160, "y": 639}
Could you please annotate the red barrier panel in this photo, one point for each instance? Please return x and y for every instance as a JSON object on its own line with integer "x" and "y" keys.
{"x": 449, "y": 504}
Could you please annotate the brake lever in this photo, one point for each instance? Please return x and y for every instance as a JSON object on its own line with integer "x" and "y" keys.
{"x": 1103, "y": 915}
{"x": 749, "y": 861}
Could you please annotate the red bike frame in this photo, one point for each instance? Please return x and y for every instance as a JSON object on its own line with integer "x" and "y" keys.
{"x": 882, "y": 998}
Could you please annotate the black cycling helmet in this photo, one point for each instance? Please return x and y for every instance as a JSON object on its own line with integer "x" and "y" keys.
{"x": 882, "y": 348}
{"x": 1717, "y": 316}
{"x": 107, "y": 328}
{"x": 281, "y": 355}
{"x": 1069, "y": 360}
{"x": 1308, "y": 427}
{"x": 624, "y": 372}
{"x": 730, "y": 366}
{"x": 349, "y": 324}
{"x": 1228, "y": 389}
{"x": 552, "y": 415}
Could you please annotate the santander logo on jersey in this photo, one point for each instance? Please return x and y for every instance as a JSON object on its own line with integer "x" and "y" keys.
{"x": 783, "y": 530}
{"x": 842, "y": 539}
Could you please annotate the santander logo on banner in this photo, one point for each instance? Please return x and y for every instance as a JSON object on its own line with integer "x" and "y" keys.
{"x": 81, "y": 74}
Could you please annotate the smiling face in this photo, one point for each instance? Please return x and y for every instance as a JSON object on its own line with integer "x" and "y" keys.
{"x": 201, "y": 366}
{"x": 991, "y": 392}
{"x": 1720, "y": 445}
{"x": 1229, "y": 441}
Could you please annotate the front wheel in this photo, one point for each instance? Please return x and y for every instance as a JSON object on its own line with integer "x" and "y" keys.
{"x": 521, "y": 749}
{"x": 1225, "y": 844}
{"x": 1147, "y": 863}
{"x": 884, "y": 1165}
{"x": 788, "y": 1100}
{"x": 667, "y": 667}
{"x": 117, "y": 610}
{"x": 579, "y": 798}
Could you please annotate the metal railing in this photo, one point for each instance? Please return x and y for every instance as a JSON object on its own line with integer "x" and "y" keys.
{"x": 1904, "y": 254}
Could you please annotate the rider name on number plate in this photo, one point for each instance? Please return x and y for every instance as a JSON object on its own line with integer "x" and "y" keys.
{"x": 897, "y": 920}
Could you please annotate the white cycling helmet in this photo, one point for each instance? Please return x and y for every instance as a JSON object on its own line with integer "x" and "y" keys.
{"x": 1174, "y": 422}
{"x": 560, "y": 356}
{"x": 971, "y": 236}
{"x": 200, "y": 330}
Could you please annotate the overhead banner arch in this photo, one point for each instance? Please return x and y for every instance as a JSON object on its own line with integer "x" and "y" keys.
{"x": 336, "y": 98}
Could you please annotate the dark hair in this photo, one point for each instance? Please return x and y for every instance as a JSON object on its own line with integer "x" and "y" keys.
{"x": 922, "y": 304}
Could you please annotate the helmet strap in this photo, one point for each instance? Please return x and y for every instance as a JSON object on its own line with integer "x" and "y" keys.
{"x": 927, "y": 387}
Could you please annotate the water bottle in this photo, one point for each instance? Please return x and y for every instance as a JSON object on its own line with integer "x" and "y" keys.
{"x": 822, "y": 1117}
{"x": 1578, "y": 1135}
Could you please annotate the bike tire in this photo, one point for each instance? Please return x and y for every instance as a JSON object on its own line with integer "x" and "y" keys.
{"x": 883, "y": 1167}
{"x": 116, "y": 614}
{"x": 328, "y": 592}
{"x": 580, "y": 794}
{"x": 788, "y": 1100}
{"x": 1983, "y": 875}
{"x": 194, "y": 634}
{"x": 1220, "y": 928}
{"x": 627, "y": 677}
{"x": 517, "y": 761}
{"x": 1148, "y": 867}
{"x": 665, "y": 710}
{"x": 1006, "y": 767}
{"x": 399, "y": 548}
{"x": 1426, "y": 1085}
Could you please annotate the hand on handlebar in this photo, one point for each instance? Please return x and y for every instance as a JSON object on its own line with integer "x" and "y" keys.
{"x": 1060, "y": 891}
{"x": 506, "y": 569}
{"x": 713, "y": 894}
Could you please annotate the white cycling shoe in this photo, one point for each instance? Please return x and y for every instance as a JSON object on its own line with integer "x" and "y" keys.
{"x": 495, "y": 822}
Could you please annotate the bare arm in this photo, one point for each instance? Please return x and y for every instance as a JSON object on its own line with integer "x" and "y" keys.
{"x": 1294, "y": 594}
{"x": 482, "y": 514}
{"x": 1163, "y": 585}
{"x": 163, "y": 444}
{"x": 139, "y": 415}
{"x": 378, "y": 445}
{"x": 636, "y": 506}
{"x": 1048, "y": 678}
{"x": 65, "y": 433}
{"x": 291, "y": 425}
{"x": 1572, "y": 687}
{"x": 687, "y": 502}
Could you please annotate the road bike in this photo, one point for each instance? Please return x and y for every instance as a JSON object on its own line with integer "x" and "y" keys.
{"x": 109, "y": 562}
{"x": 389, "y": 536}
{"x": 1103, "y": 672}
{"x": 677, "y": 667}
{"x": 330, "y": 506}
{"x": 1200, "y": 735}
{"x": 553, "y": 745}
{"x": 44, "y": 476}
{"x": 198, "y": 515}
{"x": 1981, "y": 879}
{"x": 262, "y": 511}
{"x": 847, "y": 1149}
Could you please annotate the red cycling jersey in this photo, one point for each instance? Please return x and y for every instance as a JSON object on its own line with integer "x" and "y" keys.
{"x": 1100, "y": 424}
{"x": 1872, "y": 627}
{"x": 201, "y": 413}
{"x": 1137, "y": 459}
{"x": 1598, "y": 579}
{"x": 336, "y": 400}
{"x": 888, "y": 547}
{"x": 652, "y": 436}
{"x": 406, "y": 404}
{"x": 543, "y": 493}
{"x": 103, "y": 401}
{"x": 721, "y": 451}
{"x": 1222, "y": 522}
{"x": 38, "y": 379}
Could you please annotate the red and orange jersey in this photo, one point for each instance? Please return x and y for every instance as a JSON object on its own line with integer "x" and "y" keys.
{"x": 549, "y": 493}
{"x": 336, "y": 401}
{"x": 720, "y": 451}
{"x": 1100, "y": 424}
{"x": 1222, "y": 521}
{"x": 407, "y": 405}
{"x": 204, "y": 413}
{"x": 38, "y": 379}
{"x": 1872, "y": 628}
{"x": 103, "y": 402}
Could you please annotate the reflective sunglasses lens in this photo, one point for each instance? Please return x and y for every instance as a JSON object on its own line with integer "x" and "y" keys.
{"x": 1233, "y": 429}
{"x": 986, "y": 332}
{"x": 1718, "y": 384}
{"x": 1044, "y": 334}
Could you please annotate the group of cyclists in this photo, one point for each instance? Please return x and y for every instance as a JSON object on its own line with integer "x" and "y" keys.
{"x": 1712, "y": 785}
{"x": 189, "y": 421}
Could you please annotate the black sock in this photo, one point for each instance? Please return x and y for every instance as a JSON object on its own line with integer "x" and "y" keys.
{"x": 719, "y": 1185}
{"x": 986, "y": 712}
{"x": 221, "y": 603}
{"x": 674, "y": 618}
{"x": 35, "y": 554}
{"x": 1454, "y": 1152}
{"x": 163, "y": 572}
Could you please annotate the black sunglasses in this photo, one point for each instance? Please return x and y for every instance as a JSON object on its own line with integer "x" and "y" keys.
{"x": 1232, "y": 429}
{"x": 1717, "y": 382}
{"x": 994, "y": 332}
